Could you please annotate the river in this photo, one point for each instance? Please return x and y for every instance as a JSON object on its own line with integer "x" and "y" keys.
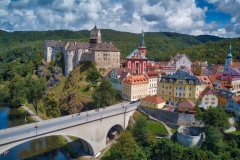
{"x": 42, "y": 148}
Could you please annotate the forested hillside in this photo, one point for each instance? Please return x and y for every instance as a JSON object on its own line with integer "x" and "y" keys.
{"x": 21, "y": 51}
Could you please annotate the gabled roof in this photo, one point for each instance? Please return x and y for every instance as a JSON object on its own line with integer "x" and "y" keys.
{"x": 105, "y": 47}
{"x": 235, "y": 64}
{"x": 52, "y": 43}
{"x": 154, "y": 74}
{"x": 137, "y": 79}
{"x": 153, "y": 99}
{"x": 187, "y": 104}
{"x": 74, "y": 46}
{"x": 206, "y": 80}
{"x": 212, "y": 78}
{"x": 236, "y": 99}
{"x": 206, "y": 91}
{"x": 182, "y": 75}
{"x": 121, "y": 70}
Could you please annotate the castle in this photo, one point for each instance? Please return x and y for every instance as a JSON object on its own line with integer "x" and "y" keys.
{"x": 105, "y": 55}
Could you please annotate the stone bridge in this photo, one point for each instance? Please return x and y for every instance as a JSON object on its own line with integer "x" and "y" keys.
{"x": 91, "y": 127}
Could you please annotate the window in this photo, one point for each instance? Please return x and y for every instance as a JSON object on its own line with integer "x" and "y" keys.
{"x": 162, "y": 92}
{"x": 176, "y": 88}
{"x": 163, "y": 86}
{"x": 206, "y": 99}
{"x": 180, "y": 82}
{"x": 180, "y": 94}
{"x": 191, "y": 82}
{"x": 212, "y": 102}
{"x": 206, "y": 102}
{"x": 190, "y": 94}
{"x": 183, "y": 94}
{"x": 213, "y": 99}
{"x": 180, "y": 88}
{"x": 170, "y": 87}
{"x": 190, "y": 88}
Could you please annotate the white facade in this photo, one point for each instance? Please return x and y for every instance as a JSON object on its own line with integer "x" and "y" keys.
{"x": 181, "y": 60}
{"x": 209, "y": 100}
{"x": 153, "y": 86}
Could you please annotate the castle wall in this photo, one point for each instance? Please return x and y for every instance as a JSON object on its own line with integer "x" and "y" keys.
{"x": 106, "y": 59}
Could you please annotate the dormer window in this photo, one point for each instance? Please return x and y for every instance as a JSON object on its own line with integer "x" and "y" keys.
{"x": 190, "y": 82}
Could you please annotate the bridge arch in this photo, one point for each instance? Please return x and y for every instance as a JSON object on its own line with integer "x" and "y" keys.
{"x": 87, "y": 147}
{"x": 113, "y": 132}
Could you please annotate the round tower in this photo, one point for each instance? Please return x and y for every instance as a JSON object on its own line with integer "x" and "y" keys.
{"x": 229, "y": 59}
{"x": 68, "y": 57}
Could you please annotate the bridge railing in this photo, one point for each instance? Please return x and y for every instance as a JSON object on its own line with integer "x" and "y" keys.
{"x": 31, "y": 130}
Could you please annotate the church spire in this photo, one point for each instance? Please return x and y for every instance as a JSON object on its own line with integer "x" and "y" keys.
{"x": 142, "y": 43}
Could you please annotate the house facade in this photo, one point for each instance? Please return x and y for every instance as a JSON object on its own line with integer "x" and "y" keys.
{"x": 134, "y": 87}
{"x": 180, "y": 86}
{"x": 207, "y": 98}
{"x": 181, "y": 60}
{"x": 116, "y": 76}
{"x": 233, "y": 105}
{"x": 153, "y": 102}
{"x": 153, "y": 77}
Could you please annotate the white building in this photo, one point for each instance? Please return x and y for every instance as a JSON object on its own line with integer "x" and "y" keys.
{"x": 207, "y": 98}
{"x": 153, "y": 77}
{"x": 181, "y": 60}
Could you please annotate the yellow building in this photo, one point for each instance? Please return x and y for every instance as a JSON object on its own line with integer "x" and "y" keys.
{"x": 134, "y": 87}
{"x": 179, "y": 87}
{"x": 153, "y": 102}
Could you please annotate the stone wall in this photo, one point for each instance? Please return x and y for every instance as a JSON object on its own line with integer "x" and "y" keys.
{"x": 193, "y": 138}
{"x": 172, "y": 117}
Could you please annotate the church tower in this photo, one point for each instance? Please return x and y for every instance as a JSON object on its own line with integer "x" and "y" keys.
{"x": 142, "y": 47}
{"x": 229, "y": 59}
{"x": 95, "y": 37}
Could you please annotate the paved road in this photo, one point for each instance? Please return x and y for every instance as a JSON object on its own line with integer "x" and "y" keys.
{"x": 42, "y": 127}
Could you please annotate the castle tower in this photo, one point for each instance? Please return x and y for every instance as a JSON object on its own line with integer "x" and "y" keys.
{"x": 69, "y": 61}
{"x": 142, "y": 47}
{"x": 229, "y": 59}
{"x": 95, "y": 36}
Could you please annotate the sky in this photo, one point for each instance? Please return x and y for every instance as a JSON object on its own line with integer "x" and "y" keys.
{"x": 194, "y": 17}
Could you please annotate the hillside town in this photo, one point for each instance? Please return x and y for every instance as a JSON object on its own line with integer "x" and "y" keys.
{"x": 164, "y": 85}
{"x": 173, "y": 92}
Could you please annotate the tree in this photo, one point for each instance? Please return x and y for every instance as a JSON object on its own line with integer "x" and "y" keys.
{"x": 93, "y": 74}
{"x": 216, "y": 117}
{"x": 51, "y": 105}
{"x": 17, "y": 93}
{"x": 140, "y": 130}
{"x": 126, "y": 149}
{"x": 199, "y": 112}
{"x": 214, "y": 140}
{"x": 104, "y": 94}
{"x": 34, "y": 90}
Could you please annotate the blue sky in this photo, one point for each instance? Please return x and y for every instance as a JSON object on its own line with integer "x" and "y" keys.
{"x": 195, "y": 17}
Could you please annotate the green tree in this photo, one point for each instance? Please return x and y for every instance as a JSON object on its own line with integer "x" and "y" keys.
{"x": 140, "y": 130}
{"x": 51, "y": 105}
{"x": 93, "y": 74}
{"x": 216, "y": 117}
{"x": 126, "y": 149}
{"x": 199, "y": 112}
{"x": 214, "y": 140}
{"x": 17, "y": 92}
{"x": 104, "y": 94}
{"x": 34, "y": 90}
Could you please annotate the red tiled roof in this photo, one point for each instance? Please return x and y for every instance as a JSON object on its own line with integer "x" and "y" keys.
{"x": 120, "y": 70}
{"x": 187, "y": 104}
{"x": 138, "y": 79}
{"x": 212, "y": 78}
{"x": 153, "y": 99}
{"x": 235, "y": 64}
{"x": 206, "y": 80}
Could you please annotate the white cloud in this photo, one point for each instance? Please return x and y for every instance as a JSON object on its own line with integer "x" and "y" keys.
{"x": 182, "y": 16}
